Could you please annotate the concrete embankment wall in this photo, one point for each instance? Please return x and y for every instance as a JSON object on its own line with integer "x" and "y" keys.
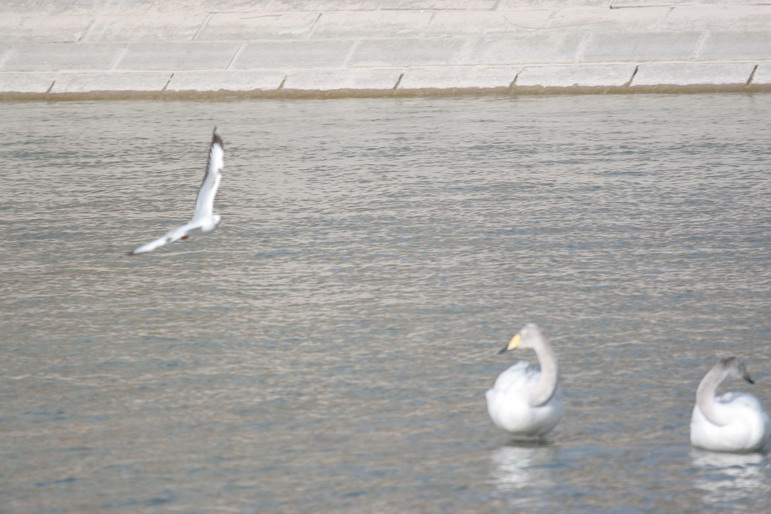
{"x": 168, "y": 48}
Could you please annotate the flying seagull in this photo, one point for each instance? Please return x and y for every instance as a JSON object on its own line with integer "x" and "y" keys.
{"x": 204, "y": 217}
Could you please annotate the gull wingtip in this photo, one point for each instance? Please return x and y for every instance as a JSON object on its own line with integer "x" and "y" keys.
{"x": 216, "y": 138}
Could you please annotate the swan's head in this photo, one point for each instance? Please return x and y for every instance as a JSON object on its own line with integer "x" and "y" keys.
{"x": 736, "y": 368}
{"x": 525, "y": 338}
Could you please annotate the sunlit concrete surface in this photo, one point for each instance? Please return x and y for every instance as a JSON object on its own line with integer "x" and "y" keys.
{"x": 56, "y": 48}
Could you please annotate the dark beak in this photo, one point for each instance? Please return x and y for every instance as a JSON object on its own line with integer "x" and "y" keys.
{"x": 748, "y": 378}
{"x": 503, "y": 350}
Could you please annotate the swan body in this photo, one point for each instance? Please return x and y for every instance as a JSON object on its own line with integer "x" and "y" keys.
{"x": 732, "y": 422}
{"x": 526, "y": 400}
{"x": 204, "y": 217}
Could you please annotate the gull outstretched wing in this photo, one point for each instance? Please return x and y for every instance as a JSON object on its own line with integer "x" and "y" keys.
{"x": 172, "y": 235}
{"x": 204, "y": 202}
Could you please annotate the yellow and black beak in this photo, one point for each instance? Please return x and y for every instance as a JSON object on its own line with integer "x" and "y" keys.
{"x": 512, "y": 344}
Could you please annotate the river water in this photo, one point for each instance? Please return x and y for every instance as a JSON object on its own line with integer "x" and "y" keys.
{"x": 328, "y": 347}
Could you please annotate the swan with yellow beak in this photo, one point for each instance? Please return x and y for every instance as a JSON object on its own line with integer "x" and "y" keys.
{"x": 526, "y": 400}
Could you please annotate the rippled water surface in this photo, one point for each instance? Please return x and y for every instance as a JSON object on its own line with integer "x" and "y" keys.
{"x": 328, "y": 347}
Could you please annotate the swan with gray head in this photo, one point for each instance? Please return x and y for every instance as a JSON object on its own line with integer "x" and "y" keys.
{"x": 732, "y": 422}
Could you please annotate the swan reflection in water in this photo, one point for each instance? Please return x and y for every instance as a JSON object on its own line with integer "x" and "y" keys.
{"x": 524, "y": 465}
{"x": 728, "y": 477}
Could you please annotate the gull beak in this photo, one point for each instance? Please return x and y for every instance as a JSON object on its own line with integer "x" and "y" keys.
{"x": 747, "y": 377}
{"x": 512, "y": 344}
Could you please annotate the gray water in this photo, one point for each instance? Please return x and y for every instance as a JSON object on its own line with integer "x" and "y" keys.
{"x": 328, "y": 347}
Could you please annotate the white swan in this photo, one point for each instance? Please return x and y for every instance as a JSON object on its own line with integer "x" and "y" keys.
{"x": 526, "y": 400}
{"x": 733, "y": 422}
{"x": 204, "y": 217}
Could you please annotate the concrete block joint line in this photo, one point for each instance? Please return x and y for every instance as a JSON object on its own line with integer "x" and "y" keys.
{"x": 188, "y": 48}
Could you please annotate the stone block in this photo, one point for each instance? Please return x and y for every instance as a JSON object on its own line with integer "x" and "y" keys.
{"x": 251, "y": 6}
{"x": 91, "y": 7}
{"x": 640, "y": 46}
{"x": 576, "y": 75}
{"x": 762, "y": 74}
{"x": 342, "y": 78}
{"x": 49, "y": 29}
{"x": 718, "y": 18}
{"x": 505, "y": 5}
{"x": 265, "y": 80}
{"x": 408, "y": 52}
{"x": 19, "y": 6}
{"x": 26, "y": 82}
{"x": 144, "y": 28}
{"x": 458, "y": 77}
{"x": 726, "y": 46}
{"x": 328, "y": 5}
{"x": 437, "y": 4}
{"x": 620, "y": 4}
{"x": 370, "y": 24}
{"x": 326, "y": 53}
{"x": 110, "y": 81}
{"x": 61, "y": 57}
{"x": 178, "y": 56}
{"x": 607, "y": 20}
{"x": 484, "y": 22}
{"x": 258, "y": 25}
{"x": 528, "y": 47}
{"x": 692, "y": 74}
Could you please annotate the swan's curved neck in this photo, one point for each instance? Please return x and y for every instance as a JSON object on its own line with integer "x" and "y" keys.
{"x": 547, "y": 385}
{"x": 705, "y": 395}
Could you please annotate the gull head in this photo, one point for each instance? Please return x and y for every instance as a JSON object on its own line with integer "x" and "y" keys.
{"x": 211, "y": 223}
